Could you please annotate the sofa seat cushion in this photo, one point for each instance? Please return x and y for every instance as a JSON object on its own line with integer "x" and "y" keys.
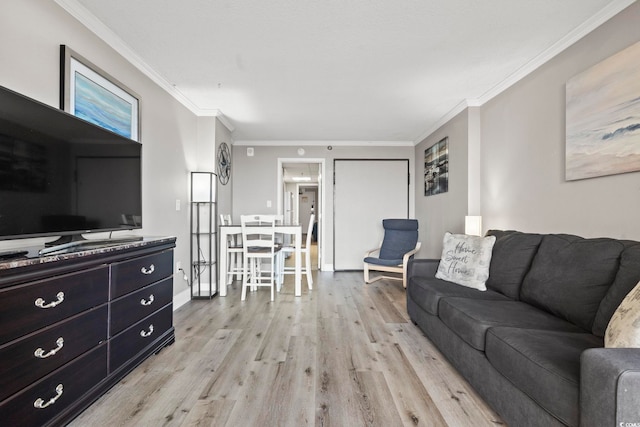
{"x": 470, "y": 318}
{"x": 427, "y": 293}
{"x": 544, "y": 364}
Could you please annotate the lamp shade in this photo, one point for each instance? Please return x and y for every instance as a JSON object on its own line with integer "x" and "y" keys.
{"x": 202, "y": 187}
{"x": 473, "y": 225}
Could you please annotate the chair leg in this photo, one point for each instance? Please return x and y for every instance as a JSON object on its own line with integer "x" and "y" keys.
{"x": 245, "y": 279}
{"x": 279, "y": 262}
{"x": 308, "y": 269}
{"x": 272, "y": 276}
{"x": 256, "y": 273}
{"x": 366, "y": 273}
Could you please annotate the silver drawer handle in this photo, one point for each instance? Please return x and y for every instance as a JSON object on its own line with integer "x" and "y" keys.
{"x": 42, "y": 355}
{"x": 41, "y": 404}
{"x": 145, "y": 334}
{"x": 147, "y": 302}
{"x": 144, "y": 270}
{"x": 40, "y": 302}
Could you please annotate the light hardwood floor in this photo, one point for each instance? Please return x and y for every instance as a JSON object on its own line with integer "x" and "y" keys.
{"x": 343, "y": 354}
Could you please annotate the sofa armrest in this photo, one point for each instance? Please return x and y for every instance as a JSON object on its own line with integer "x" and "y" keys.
{"x": 610, "y": 387}
{"x": 422, "y": 267}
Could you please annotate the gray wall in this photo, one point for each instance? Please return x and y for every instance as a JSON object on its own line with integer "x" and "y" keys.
{"x": 31, "y": 32}
{"x": 519, "y": 138}
{"x": 225, "y": 199}
{"x": 523, "y": 143}
{"x": 445, "y": 211}
{"x": 255, "y": 178}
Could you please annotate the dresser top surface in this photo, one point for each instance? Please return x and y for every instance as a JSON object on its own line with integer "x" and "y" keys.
{"x": 88, "y": 249}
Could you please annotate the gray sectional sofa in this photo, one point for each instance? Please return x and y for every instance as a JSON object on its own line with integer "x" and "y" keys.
{"x": 532, "y": 343}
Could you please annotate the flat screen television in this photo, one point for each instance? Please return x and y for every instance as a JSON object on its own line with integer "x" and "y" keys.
{"x": 63, "y": 176}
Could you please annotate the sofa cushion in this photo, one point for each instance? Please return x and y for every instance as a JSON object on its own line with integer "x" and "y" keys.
{"x": 465, "y": 260}
{"x": 471, "y": 318}
{"x": 427, "y": 293}
{"x": 544, "y": 364}
{"x": 626, "y": 278}
{"x": 570, "y": 276}
{"x": 513, "y": 253}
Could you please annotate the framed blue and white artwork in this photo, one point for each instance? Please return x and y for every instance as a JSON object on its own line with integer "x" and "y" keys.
{"x": 89, "y": 93}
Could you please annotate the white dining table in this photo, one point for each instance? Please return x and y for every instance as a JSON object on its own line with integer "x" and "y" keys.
{"x": 229, "y": 230}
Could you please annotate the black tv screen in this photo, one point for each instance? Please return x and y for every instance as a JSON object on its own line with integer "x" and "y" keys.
{"x": 63, "y": 176}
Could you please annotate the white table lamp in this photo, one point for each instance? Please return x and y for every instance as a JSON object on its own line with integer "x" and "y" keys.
{"x": 473, "y": 225}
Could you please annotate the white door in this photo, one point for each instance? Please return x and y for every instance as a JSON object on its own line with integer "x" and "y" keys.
{"x": 365, "y": 193}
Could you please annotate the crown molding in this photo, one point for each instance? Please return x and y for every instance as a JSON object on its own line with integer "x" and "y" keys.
{"x": 292, "y": 143}
{"x": 103, "y": 32}
{"x": 96, "y": 26}
{"x": 606, "y": 13}
{"x": 463, "y": 105}
{"x": 561, "y": 45}
{"x": 219, "y": 115}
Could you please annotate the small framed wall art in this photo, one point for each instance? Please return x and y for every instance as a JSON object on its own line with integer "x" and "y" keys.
{"x": 436, "y": 168}
{"x": 89, "y": 93}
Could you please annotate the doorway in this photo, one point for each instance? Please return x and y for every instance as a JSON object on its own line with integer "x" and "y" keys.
{"x": 300, "y": 193}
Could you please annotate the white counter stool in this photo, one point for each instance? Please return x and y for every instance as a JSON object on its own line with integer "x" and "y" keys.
{"x": 258, "y": 239}
{"x": 306, "y": 251}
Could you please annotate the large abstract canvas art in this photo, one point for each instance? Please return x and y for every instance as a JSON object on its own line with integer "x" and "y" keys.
{"x": 603, "y": 117}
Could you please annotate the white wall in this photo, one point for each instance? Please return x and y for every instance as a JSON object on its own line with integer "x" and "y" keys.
{"x": 31, "y": 32}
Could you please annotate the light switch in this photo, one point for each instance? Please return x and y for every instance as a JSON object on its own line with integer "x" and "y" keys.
{"x": 268, "y": 203}
{"x": 177, "y": 204}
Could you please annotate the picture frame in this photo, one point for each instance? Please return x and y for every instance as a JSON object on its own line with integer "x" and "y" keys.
{"x": 88, "y": 92}
{"x": 603, "y": 118}
{"x": 436, "y": 168}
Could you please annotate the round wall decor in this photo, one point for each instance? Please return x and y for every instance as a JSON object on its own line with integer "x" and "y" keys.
{"x": 224, "y": 163}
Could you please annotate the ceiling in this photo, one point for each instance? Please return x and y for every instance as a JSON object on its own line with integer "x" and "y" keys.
{"x": 293, "y": 172}
{"x": 381, "y": 71}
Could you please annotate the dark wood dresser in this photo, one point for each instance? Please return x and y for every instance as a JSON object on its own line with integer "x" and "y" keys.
{"x": 73, "y": 324}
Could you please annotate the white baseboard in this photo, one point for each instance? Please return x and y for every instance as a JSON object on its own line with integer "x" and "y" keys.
{"x": 181, "y": 299}
{"x": 327, "y": 267}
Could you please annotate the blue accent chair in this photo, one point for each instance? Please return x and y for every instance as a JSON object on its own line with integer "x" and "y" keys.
{"x": 399, "y": 245}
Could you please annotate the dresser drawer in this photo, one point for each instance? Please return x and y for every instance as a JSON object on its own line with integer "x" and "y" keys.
{"x": 56, "y": 391}
{"x": 133, "y": 274}
{"x": 139, "y": 336}
{"x": 29, "y": 307}
{"x": 22, "y": 363}
{"x": 127, "y": 310}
